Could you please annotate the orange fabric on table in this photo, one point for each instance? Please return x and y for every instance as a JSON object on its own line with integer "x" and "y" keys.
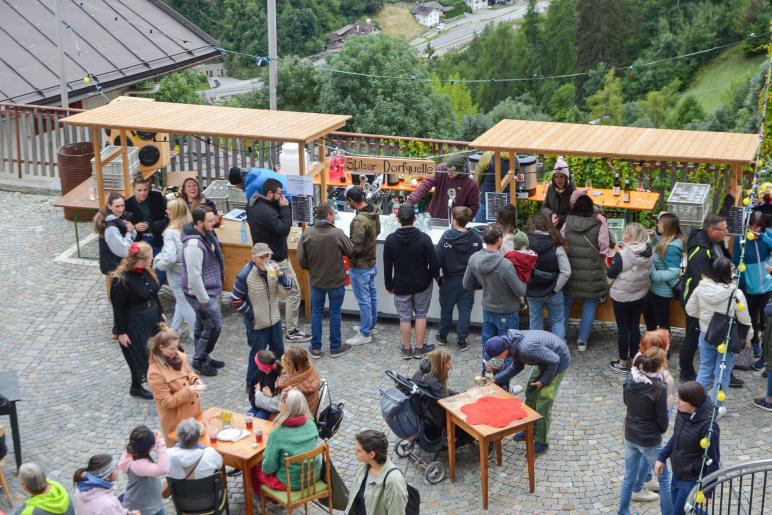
{"x": 494, "y": 411}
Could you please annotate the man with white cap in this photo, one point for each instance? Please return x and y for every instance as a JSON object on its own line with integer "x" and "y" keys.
{"x": 558, "y": 197}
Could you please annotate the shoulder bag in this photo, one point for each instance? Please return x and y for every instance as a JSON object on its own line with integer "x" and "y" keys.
{"x": 167, "y": 492}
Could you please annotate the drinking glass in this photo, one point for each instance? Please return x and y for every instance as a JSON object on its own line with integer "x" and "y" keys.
{"x": 248, "y": 421}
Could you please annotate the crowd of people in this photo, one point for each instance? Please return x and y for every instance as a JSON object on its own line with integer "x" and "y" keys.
{"x": 565, "y": 252}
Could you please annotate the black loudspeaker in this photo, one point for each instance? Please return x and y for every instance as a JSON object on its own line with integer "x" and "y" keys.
{"x": 153, "y": 147}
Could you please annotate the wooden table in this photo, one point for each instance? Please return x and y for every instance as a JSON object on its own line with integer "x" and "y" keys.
{"x": 9, "y": 388}
{"x": 241, "y": 454}
{"x": 639, "y": 200}
{"x": 486, "y": 434}
{"x": 236, "y": 255}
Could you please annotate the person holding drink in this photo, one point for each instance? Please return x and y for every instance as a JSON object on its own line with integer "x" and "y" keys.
{"x": 115, "y": 232}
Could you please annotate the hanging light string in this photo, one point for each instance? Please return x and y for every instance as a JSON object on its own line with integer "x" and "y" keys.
{"x": 265, "y": 59}
{"x": 89, "y": 76}
{"x": 745, "y": 235}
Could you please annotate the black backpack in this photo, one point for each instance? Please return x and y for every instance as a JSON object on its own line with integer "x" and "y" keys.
{"x": 413, "y": 496}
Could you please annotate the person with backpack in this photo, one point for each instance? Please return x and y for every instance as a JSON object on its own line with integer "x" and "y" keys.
{"x": 379, "y": 491}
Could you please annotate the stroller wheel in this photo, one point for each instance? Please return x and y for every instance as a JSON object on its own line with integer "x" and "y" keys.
{"x": 435, "y": 472}
{"x": 403, "y": 448}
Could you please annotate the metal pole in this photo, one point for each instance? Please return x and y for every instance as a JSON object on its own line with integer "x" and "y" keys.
{"x": 60, "y": 46}
{"x": 272, "y": 52}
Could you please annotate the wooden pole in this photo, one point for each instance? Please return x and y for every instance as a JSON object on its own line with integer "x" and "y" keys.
{"x": 735, "y": 184}
{"x": 513, "y": 180}
{"x": 324, "y": 172}
{"x": 497, "y": 170}
{"x": 95, "y": 141}
{"x": 125, "y": 164}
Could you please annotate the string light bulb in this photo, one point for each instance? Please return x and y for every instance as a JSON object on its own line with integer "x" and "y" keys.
{"x": 740, "y": 306}
{"x": 699, "y": 497}
{"x": 741, "y": 267}
{"x": 746, "y": 201}
{"x": 720, "y": 395}
{"x": 750, "y": 236}
{"x": 721, "y": 348}
{"x": 704, "y": 443}
{"x": 86, "y": 79}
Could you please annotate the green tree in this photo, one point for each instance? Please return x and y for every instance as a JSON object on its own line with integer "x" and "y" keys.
{"x": 688, "y": 110}
{"x": 606, "y": 104}
{"x": 297, "y": 88}
{"x": 606, "y": 26}
{"x": 384, "y": 106}
{"x": 459, "y": 94}
{"x": 562, "y": 101}
{"x": 180, "y": 87}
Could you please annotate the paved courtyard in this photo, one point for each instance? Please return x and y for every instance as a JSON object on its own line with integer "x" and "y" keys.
{"x": 55, "y": 326}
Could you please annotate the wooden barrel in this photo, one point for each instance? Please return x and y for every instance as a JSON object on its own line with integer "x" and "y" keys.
{"x": 74, "y": 160}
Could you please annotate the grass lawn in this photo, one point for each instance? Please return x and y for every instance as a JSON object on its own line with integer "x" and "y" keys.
{"x": 396, "y": 20}
{"x": 730, "y": 67}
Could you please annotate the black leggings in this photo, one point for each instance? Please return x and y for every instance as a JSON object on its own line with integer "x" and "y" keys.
{"x": 628, "y": 317}
{"x": 656, "y": 312}
{"x": 756, "y": 305}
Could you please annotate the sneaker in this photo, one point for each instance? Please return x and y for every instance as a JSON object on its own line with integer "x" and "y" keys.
{"x": 721, "y": 412}
{"x": 315, "y": 353}
{"x": 540, "y": 448}
{"x": 373, "y": 331}
{"x": 340, "y": 350}
{"x": 406, "y": 353}
{"x": 515, "y": 389}
{"x": 297, "y": 336}
{"x": 735, "y": 382}
{"x": 652, "y": 485}
{"x": 204, "y": 369}
{"x": 759, "y": 365}
{"x": 582, "y": 346}
{"x": 645, "y": 495}
{"x": 763, "y": 403}
{"x": 519, "y": 437}
{"x": 441, "y": 340}
{"x": 216, "y": 363}
{"x": 462, "y": 345}
{"x": 359, "y": 339}
{"x": 420, "y": 353}
{"x": 622, "y": 368}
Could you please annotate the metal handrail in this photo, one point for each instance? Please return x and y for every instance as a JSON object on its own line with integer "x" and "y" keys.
{"x": 732, "y": 499}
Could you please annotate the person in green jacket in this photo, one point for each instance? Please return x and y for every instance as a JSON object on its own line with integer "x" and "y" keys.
{"x": 378, "y": 490}
{"x": 46, "y": 497}
{"x": 295, "y": 433}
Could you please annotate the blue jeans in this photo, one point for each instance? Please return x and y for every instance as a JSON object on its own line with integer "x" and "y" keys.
{"x": 480, "y": 215}
{"x": 270, "y": 338}
{"x": 318, "y": 297}
{"x": 259, "y": 413}
{"x": 679, "y": 490}
{"x": 555, "y": 310}
{"x": 588, "y": 316}
{"x": 634, "y": 453}
{"x": 452, "y": 294}
{"x": 497, "y": 324}
{"x": 710, "y": 367}
{"x": 208, "y": 327}
{"x": 363, "y": 284}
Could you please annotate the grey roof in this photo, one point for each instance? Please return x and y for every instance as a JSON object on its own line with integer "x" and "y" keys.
{"x": 427, "y": 7}
{"x": 115, "y": 39}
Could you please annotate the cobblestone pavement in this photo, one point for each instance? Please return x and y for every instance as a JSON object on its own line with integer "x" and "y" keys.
{"x": 54, "y": 331}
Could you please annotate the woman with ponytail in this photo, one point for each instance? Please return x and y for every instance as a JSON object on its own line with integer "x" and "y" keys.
{"x": 174, "y": 385}
{"x": 94, "y": 488}
{"x": 115, "y": 233}
{"x": 136, "y": 311}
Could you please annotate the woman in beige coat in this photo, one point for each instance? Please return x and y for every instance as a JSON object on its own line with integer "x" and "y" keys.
{"x": 174, "y": 385}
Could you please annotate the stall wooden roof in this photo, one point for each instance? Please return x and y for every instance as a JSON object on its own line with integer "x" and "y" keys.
{"x": 229, "y": 122}
{"x": 619, "y": 142}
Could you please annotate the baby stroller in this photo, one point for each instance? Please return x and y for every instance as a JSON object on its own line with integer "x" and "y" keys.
{"x": 413, "y": 415}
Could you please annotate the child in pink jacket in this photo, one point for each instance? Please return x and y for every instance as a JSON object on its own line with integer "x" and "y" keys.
{"x": 143, "y": 492}
{"x": 94, "y": 488}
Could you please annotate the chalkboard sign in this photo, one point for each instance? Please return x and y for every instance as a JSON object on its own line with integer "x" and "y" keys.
{"x": 734, "y": 221}
{"x": 493, "y": 202}
{"x": 302, "y": 210}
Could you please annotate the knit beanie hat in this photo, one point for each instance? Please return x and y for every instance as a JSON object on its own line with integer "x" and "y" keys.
{"x": 576, "y": 194}
{"x": 519, "y": 240}
{"x": 495, "y": 346}
{"x": 561, "y": 167}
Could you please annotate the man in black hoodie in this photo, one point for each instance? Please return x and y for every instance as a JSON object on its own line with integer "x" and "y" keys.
{"x": 270, "y": 220}
{"x": 703, "y": 248}
{"x": 409, "y": 265}
{"x": 453, "y": 251}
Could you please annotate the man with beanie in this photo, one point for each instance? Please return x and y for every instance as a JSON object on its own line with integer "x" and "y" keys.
{"x": 549, "y": 356}
{"x": 320, "y": 252}
{"x": 451, "y": 175}
{"x": 558, "y": 197}
{"x": 255, "y": 295}
{"x": 453, "y": 252}
{"x": 270, "y": 220}
{"x": 492, "y": 273}
{"x": 202, "y": 278}
{"x": 409, "y": 266}
{"x": 46, "y": 497}
{"x": 363, "y": 232}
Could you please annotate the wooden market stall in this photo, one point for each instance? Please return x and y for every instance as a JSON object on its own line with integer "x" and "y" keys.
{"x": 127, "y": 115}
{"x": 510, "y": 137}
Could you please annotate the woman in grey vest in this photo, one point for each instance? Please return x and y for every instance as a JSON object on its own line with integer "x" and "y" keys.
{"x": 143, "y": 489}
{"x": 630, "y": 271}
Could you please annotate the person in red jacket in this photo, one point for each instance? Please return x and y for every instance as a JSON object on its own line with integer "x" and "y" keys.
{"x": 453, "y": 174}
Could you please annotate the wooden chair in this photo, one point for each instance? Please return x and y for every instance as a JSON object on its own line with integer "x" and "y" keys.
{"x": 310, "y": 488}
{"x": 3, "y": 482}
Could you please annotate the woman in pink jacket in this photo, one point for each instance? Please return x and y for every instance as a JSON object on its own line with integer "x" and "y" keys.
{"x": 94, "y": 488}
{"x": 143, "y": 491}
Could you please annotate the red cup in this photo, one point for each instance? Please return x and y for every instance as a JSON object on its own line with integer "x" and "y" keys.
{"x": 213, "y": 439}
{"x": 609, "y": 260}
{"x": 259, "y": 436}
{"x": 249, "y": 424}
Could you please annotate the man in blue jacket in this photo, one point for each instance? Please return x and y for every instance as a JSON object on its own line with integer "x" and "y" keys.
{"x": 549, "y": 356}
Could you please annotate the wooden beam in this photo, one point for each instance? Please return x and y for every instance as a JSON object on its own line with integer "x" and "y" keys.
{"x": 497, "y": 171}
{"x": 125, "y": 164}
{"x": 513, "y": 181}
{"x": 323, "y": 169}
{"x": 111, "y": 156}
{"x": 735, "y": 184}
{"x": 95, "y": 141}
